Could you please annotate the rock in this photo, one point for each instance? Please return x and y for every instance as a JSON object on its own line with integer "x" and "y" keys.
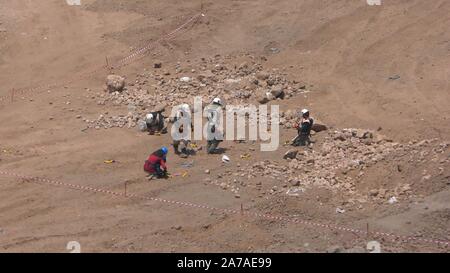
{"x": 207, "y": 171}
{"x": 262, "y": 75}
{"x": 115, "y": 83}
{"x": 262, "y": 97}
{"x": 355, "y": 250}
{"x": 142, "y": 126}
{"x": 340, "y": 136}
{"x": 392, "y": 200}
{"x": 295, "y": 182}
{"x": 291, "y": 154}
{"x": 362, "y": 134}
{"x": 373, "y": 192}
{"x": 334, "y": 249}
{"x": 157, "y": 65}
{"x": 426, "y": 177}
{"x": 231, "y": 84}
{"x": 339, "y": 210}
{"x": 394, "y": 77}
{"x": 318, "y": 127}
{"x": 310, "y": 161}
{"x": 160, "y": 107}
{"x": 277, "y": 91}
{"x": 290, "y": 114}
{"x": 381, "y": 138}
{"x": 185, "y": 79}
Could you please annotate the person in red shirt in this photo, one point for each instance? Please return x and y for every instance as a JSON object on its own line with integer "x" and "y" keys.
{"x": 156, "y": 163}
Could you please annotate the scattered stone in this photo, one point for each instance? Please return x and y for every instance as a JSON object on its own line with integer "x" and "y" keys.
{"x": 334, "y": 249}
{"x": 392, "y": 200}
{"x": 373, "y": 192}
{"x": 277, "y": 91}
{"x": 115, "y": 83}
{"x": 157, "y": 65}
{"x": 291, "y": 154}
{"x": 426, "y": 177}
{"x": 395, "y": 77}
{"x": 318, "y": 127}
{"x": 339, "y": 210}
{"x": 159, "y": 107}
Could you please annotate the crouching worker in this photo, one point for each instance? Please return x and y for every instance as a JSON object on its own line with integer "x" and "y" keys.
{"x": 303, "y": 130}
{"x": 155, "y": 165}
{"x": 155, "y": 120}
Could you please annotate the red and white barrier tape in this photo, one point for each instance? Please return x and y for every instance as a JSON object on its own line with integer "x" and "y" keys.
{"x": 360, "y": 232}
{"x": 136, "y": 55}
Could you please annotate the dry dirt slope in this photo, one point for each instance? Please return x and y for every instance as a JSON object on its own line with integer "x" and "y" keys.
{"x": 345, "y": 49}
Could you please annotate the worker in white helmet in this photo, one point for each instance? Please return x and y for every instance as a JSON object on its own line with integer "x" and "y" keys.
{"x": 214, "y": 134}
{"x": 155, "y": 122}
{"x": 182, "y": 115}
{"x": 303, "y": 129}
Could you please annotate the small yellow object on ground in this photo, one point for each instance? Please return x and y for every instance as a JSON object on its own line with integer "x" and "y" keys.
{"x": 109, "y": 161}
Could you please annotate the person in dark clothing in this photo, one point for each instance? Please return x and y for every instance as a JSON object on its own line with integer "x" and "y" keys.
{"x": 155, "y": 165}
{"x": 155, "y": 122}
{"x": 213, "y": 121}
{"x": 304, "y": 129}
{"x": 183, "y": 113}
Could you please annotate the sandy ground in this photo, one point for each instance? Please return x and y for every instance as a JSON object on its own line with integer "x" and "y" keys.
{"x": 366, "y": 67}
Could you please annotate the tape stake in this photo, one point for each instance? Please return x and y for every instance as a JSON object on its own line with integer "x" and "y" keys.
{"x": 12, "y": 95}
{"x": 108, "y": 67}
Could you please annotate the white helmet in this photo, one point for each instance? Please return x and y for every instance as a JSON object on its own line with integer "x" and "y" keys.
{"x": 149, "y": 117}
{"x": 217, "y": 101}
{"x": 185, "y": 107}
{"x": 305, "y": 111}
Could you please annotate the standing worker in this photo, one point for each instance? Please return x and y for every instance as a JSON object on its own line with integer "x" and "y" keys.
{"x": 214, "y": 135}
{"x": 155, "y": 165}
{"x": 303, "y": 129}
{"x": 182, "y": 115}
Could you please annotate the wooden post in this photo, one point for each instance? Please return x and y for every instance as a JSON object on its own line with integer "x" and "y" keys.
{"x": 126, "y": 182}
{"x": 107, "y": 65}
{"x": 367, "y": 228}
{"x": 12, "y": 95}
{"x": 242, "y": 209}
